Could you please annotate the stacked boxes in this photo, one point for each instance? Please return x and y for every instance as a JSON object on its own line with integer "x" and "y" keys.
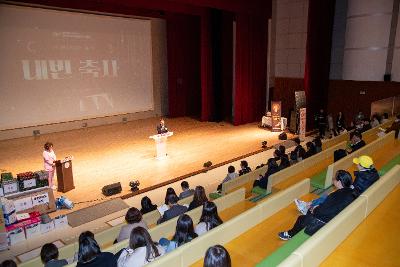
{"x": 26, "y": 181}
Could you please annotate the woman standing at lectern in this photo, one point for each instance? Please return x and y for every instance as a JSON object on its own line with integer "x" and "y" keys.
{"x": 49, "y": 158}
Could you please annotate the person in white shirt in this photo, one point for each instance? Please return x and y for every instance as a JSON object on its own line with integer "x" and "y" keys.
{"x": 49, "y": 158}
{"x": 141, "y": 250}
{"x": 209, "y": 218}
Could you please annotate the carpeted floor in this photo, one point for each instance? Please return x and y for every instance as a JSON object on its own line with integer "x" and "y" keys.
{"x": 92, "y": 213}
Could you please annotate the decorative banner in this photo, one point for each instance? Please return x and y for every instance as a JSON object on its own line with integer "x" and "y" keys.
{"x": 276, "y": 116}
{"x": 40, "y": 199}
{"x": 302, "y": 126}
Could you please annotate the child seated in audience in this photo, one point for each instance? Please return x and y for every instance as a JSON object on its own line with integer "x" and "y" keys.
{"x": 8, "y": 263}
{"x": 262, "y": 181}
{"x": 244, "y": 168}
{"x": 147, "y": 206}
{"x": 186, "y": 191}
{"x": 334, "y": 203}
{"x": 49, "y": 256}
{"x": 90, "y": 255}
{"x": 293, "y": 158}
{"x": 366, "y": 174}
{"x": 134, "y": 219}
{"x": 199, "y": 198}
{"x": 209, "y": 218}
{"x": 230, "y": 176}
{"x": 184, "y": 233}
{"x": 141, "y": 250}
{"x": 217, "y": 256}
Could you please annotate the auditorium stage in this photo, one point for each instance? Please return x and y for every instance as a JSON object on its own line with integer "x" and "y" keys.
{"x": 124, "y": 152}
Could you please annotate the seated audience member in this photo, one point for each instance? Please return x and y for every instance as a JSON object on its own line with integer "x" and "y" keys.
{"x": 282, "y": 149}
{"x": 318, "y": 144}
{"x": 90, "y": 255}
{"x": 49, "y": 256}
{"x": 310, "y": 150}
{"x": 8, "y": 263}
{"x": 374, "y": 121}
{"x": 186, "y": 191}
{"x": 147, "y": 206}
{"x": 184, "y": 233}
{"x": 366, "y": 125}
{"x": 385, "y": 117}
{"x": 209, "y": 218}
{"x": 284, "y": 163}
{"x": 395, "y": 126}
{"x": 217, "y": 256}
{"x": 174, "y": 209}
{"x": 230, "y": 176}
{"x": 356, "y": 141}
{"x": 298, "y": 146}
{"x": 277, "y": 155}
{"x": 339, "y": 154}
{"x": 141, "y": 250}
{"x": 293, "y": 158}
{"x": 366, "y": 174}
{"x": 170, "y": 191}
{"x": 301, "y": 154}
{"x": 199, "y": 198}
{"x": 244, "y": 168}
{"x": 319, "y": 215}
{"x": 262, "y": 181}
{"x": 81, "y": 237}
{"x": 134, "y": 219}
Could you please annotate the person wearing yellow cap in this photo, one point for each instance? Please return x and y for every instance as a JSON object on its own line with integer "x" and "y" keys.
{"x": 366, "y": 174}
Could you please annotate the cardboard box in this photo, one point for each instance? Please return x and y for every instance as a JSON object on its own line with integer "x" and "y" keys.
{"x": 60, "y": 221}
{"x": 32, "y": 230}
{"x": 46, "y": 227}
{"x": 16, "y": 236}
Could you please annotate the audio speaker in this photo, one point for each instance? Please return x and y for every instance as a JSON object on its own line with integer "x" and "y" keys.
{"x": 112, "y": 189}
{"x": 283, "y": 136}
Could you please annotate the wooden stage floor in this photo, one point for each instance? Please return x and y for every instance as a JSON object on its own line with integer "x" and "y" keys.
{"x": 124, "y": 152}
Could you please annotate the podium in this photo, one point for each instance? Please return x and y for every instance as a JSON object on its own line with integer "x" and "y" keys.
{"x": 65, "y": 179}
{"x": 161, "y": 144}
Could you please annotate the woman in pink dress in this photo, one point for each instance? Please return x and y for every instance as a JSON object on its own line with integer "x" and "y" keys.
{"x": 49, "y": 158}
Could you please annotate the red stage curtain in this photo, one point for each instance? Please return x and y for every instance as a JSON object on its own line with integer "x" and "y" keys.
{"x": 183, "y": 48}
{"x": 251, "y": 68}
{"x": 318, "y": 54}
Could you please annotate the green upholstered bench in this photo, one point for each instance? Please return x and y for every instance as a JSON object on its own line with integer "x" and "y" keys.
{"x": 389, "y": 165}
{"x": 215, "y": 195}
{"x": 284, "y": 251}
{"x": 259, "y": 191}
{"x": 318, "y": 180}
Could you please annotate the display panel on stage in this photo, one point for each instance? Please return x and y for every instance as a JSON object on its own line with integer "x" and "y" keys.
{"x": 65, "y": 178}
{"x": 161, "y": 144}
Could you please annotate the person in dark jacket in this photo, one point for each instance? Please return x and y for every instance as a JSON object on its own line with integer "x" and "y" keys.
{"x": 147, "y": 205}
{"x": 199, "y": 198}
{"x": 310, "y": 150}
{"x": 174, "y": 209}
{"x": 366, "y": 174}
{"x": 263, "y": 180}
{"x": 328, "y": 209}
{"x": 244, "y": 168}
{"x": 340, "y": 123}
{"x": 320, "y": 120}
{"x": 356, "y": 141}
{"x": 186, "y": 191}
{"x": 89, "y": 255}
{"x": 395, "y": 127}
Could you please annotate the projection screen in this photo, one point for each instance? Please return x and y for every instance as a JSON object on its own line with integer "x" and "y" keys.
{"x": 59, "y": 66}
